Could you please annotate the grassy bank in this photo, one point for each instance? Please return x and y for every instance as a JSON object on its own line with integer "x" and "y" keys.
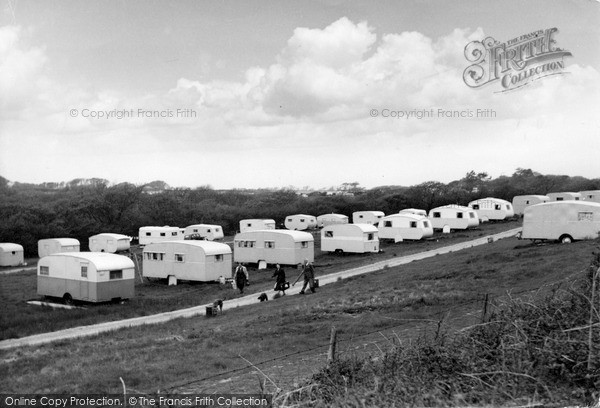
{"x": 288, "y": 338}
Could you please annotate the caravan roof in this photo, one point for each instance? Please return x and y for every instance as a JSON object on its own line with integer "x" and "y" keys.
{"x": 102, "y": 260}
{"x": 209, "y": 247}
{"x": 9, "y": 247}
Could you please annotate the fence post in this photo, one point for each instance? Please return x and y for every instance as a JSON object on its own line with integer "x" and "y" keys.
{"x": 332, "y": 344}
{"x": 484, "y": 312}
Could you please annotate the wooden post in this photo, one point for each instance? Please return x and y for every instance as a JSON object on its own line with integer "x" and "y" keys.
{"x": 485, "y": 309}
{"x": 332, "y": 344}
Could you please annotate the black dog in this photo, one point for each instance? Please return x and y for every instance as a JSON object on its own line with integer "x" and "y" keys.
{"x": 218, "y": 303}
{"x": 263, "y": 297}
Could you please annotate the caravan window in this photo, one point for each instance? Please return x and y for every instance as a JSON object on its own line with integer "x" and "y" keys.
{"x": 44, "y": 270}
{"x": 302, "y": 220}
{"x": 426, "y": 224}
{"x": 84, "y": 271}
{"x": 585, "y": 216}
{"x": 576, "y": 198}
{"x": 173, "y": 234}
{"x": 179, "y": 258}
{"x": 290, "y": 220}
{"x": 497, "y": 207}
{"x": 413, "y": 224}
{"x": 269, "y": 244}
{"x": 154, "y": 256}
{"x": 559, "y": 198}
{"x": 370, "y": 236}
{"x": 148, "y": 234}
{"x": 249, "y": 224}
{"x": 208, "y": 230}
{"x": 437, "y": 215}
{"x": 219, "y": 258}
{"x": 387, "y": 223}
{"x": 459, "y": 215}
{"x": 118, "y": 274}
{"x": 162, "y": 234}
{"x": 472, "y": 214}
{"x": 304, "y": 244}
{"x": 195, "y": 229}
{"x": 476, "y": 206}
{"x": 328, "y": 234}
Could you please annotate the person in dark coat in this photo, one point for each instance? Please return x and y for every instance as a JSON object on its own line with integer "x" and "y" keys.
{"x": 279, "y": 276}
{"x": 241, "y": 277}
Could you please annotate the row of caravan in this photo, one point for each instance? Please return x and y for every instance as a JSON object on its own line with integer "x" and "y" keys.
{"x": 523, "y": 201}
{"x": 103, "y": 276}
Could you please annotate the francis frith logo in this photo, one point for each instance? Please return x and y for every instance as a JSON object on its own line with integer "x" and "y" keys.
{"x": 514, "y": 63}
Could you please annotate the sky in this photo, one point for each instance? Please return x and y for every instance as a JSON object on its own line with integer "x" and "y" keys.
{"x": 271, "y": 93}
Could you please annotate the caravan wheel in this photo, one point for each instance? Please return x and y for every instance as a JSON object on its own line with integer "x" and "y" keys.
{"x": 566, "y": 239}
{"x": 339, "y": 251}
{"x": 68, "y": 299}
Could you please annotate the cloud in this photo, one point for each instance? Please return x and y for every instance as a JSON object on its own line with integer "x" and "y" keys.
{"x": 20, "y": 72}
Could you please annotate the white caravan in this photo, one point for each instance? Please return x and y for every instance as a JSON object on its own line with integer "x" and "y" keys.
{"x": 254, "y": 224}
{"x": 151, "y": 234}
{"x": 204, "y": 231}
{"x": 413, "y": 211}
{"x": 492, "y": 209}
{"x": 107, "y": 242}
{"x": 564, "y": 221}
{"x": 11, "y": 254}
{"x": 367, "y": 217}
{"x": 331, "y": 219}
{"x": 590, "y": 195}
{"x": 51, "y": 246}
{"x": 404, "y": 226}
{"x": 357, "y": 238}
{"x": 449, "y": 217}
{"x": 564, "y": 196}
{"x": 300, "y": 222}
{"x": 86, "y": 276}
{"x": 273, "y": 246}
{"x": 523, "y": 201}
{"x": 202, "y": 261}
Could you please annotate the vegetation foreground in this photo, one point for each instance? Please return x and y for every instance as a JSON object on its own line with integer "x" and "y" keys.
{"x": 528, "y": 350}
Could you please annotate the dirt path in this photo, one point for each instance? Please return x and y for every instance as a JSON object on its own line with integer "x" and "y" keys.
{"x": 239, "y": 302}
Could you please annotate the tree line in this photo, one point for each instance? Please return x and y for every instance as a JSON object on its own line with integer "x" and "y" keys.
{"x": 80, "y": 209}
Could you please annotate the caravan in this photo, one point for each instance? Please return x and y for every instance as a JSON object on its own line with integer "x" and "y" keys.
{"x": 405, "y": 226}
{"x": 300, "y": 222}
{"x": 86, "y": 276}
{"x": 273, "y": 246}
{"x": 107, "y": 242}
{"x": 590, "y": 195}
{"x": 523, "y": 201}
{"x": 564, "y": 196}
{"x": 11, "y": 254}
{"x": 367, "y": 217}
{"x": 203, "y": 231}
{"x": 449, "y": 217}
{"x": 150, "y": 235}
{"x": 564, "y": 221}
{"x": 256, "y": 224}
{"x": 202, "y": 261}
{"x": 357, "y": 238}
{"x": 492, "y": 209}
{"x": 51, "y": 246}
{"x": 331, "y": 219}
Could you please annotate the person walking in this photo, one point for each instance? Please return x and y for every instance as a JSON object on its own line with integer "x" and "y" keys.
{"x": 279, "y": 276}
{"x": 241, "y": 277}
{"x": 308, "y": 271}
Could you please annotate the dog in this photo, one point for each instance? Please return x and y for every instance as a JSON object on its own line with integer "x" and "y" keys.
{"x": 218, "y": 304}
{"x": 263, "y": 297}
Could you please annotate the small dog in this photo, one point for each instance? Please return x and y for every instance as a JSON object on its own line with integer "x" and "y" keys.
{"x": 218, "y": 304}
{"x": 263, "y": 297}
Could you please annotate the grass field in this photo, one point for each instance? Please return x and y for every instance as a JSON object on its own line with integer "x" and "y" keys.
{"x": 287, "y": 338}
{"x": 19, "y": 319}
